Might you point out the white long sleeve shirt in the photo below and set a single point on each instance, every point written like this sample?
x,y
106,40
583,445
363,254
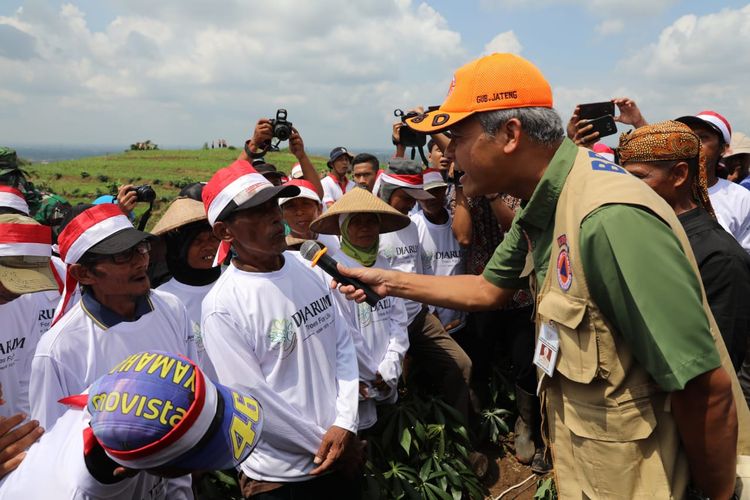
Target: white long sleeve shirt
x,y
192,298
21,326
731,202
445,256
403,252
381,341
281,336
54,467
79,348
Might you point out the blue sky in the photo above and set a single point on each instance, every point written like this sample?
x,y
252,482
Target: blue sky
x,y
182,72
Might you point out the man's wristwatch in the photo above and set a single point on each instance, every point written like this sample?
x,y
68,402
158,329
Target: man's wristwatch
x,y
254,155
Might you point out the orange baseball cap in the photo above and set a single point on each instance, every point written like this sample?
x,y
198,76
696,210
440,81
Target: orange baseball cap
x,y
497,81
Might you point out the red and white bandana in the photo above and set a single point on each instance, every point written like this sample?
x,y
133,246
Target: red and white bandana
x,y
25,240
433,178
306,190
13,198
238,183
413,181
86,230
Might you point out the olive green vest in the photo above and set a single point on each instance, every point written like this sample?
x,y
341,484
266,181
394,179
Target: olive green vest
x,y
610,426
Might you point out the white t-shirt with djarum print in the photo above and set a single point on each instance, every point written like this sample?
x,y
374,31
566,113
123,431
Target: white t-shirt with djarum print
x,y
403,252
282,337
22,323
446,258
381,340
78,349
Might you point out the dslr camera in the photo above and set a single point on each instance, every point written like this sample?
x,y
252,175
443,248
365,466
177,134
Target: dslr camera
x,y
407,137
282,128
144,193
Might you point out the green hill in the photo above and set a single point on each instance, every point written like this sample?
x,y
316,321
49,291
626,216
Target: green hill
x,y
167,171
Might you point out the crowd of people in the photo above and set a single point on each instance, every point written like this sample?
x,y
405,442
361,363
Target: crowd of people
x,y
614,280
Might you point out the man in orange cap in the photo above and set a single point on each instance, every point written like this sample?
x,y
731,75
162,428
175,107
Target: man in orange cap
x,y
632,370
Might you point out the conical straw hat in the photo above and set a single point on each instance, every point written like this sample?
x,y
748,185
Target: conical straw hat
x,y
360,201
181,212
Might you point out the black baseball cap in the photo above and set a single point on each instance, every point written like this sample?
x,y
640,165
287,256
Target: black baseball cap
x,y
122,240
338,152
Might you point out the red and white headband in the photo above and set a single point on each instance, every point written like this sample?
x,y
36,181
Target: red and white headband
x,y
89,228
433,176
25,240
413,181
719,122
306,190
13,198
236,183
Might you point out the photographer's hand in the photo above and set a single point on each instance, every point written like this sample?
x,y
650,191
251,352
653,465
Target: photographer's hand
x,y
296,145
396,139
630,114
261,138
297,148
127,198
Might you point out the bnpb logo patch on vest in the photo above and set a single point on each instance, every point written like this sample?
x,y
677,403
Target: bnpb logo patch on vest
x,y
564,269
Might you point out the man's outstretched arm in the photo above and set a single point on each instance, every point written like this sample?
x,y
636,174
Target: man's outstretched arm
x,y
463,292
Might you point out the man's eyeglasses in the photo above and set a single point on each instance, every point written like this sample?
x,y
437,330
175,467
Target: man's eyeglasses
x,y
126,256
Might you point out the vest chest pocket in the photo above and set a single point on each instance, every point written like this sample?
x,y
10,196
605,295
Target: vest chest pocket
x,y
578,359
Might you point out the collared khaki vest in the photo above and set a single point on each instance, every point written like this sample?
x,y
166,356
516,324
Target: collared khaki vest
x,y
610,426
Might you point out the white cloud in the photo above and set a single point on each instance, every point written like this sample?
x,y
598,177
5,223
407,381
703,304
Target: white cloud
x,y
698,62
603,8
610,27
504,42
213,70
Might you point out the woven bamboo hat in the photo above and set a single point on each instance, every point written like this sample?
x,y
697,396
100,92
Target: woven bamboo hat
x,y
360,201
181,212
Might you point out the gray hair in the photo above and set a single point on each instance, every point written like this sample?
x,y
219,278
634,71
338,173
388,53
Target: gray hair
x,y
543,125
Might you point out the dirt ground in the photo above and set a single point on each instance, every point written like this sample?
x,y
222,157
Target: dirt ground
x,y
505,471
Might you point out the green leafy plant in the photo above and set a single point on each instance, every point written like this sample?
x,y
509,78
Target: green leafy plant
x,y
545,489
494,426
419,449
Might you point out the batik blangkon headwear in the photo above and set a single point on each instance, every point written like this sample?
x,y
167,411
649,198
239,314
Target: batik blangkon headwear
x,y
667,141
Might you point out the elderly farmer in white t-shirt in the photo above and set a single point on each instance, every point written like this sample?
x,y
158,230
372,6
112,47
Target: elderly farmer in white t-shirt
x,y
118,314
271,326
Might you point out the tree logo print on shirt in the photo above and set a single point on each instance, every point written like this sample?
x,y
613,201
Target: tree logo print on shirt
x,y
364,312
282,334
388,252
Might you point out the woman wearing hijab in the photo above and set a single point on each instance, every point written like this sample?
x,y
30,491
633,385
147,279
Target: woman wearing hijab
x,y
190,251
380,339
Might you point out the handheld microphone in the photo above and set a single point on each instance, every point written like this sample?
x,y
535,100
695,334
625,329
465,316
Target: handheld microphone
x,y
310,250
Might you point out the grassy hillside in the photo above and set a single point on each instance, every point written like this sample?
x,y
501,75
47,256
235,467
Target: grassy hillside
x,y
166,171
83,180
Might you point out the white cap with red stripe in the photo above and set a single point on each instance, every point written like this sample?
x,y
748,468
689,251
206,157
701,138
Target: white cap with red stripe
x,y
13,198
713,120
86,230
25,249
306,190
433,178
237,187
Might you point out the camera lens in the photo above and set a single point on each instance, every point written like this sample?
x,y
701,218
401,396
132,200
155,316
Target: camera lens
x,y
282,132
145,193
